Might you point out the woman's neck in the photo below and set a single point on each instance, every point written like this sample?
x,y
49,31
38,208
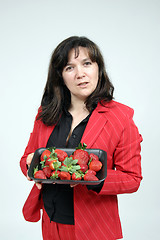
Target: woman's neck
x,y
79,112
78,107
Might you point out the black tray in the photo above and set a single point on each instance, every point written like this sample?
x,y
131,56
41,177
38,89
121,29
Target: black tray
x,y
102,174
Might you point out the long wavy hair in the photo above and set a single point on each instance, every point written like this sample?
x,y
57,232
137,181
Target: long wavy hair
x,y
56,95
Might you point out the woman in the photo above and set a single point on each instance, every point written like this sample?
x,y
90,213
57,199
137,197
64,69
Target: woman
x,y
78,106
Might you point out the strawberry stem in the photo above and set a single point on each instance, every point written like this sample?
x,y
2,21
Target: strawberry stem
x,y
80,146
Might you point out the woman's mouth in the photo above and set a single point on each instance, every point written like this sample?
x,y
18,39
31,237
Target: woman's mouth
x,y
83,84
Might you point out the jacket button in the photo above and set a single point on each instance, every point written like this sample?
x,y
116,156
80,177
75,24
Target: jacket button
x,y
74,136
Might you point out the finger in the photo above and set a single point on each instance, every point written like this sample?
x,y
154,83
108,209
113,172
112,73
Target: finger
x,y
39,185
28,177
73,185
28,165
29,159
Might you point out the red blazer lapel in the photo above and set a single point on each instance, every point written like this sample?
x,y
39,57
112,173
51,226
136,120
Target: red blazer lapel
x,y
94,126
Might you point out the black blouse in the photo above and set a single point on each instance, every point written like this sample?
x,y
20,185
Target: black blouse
x,y
58,198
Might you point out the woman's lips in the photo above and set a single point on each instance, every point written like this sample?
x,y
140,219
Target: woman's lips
x,y
83,84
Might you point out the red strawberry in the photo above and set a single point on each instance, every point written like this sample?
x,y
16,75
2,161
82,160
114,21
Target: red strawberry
x,y
65,175
45,154
48,162
76,176
47,171
83,167
55,174
90,177
54,164
39,174
61,154
93,156
91,172
81,155
95,165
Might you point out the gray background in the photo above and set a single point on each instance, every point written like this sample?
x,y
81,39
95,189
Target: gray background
x,y
128,34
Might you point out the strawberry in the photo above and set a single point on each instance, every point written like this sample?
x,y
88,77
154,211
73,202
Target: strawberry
x,y
47,171
47,162
76,176
46,153
39,174
55,174
81,155
95,165
91,172
54,164
93,156
90,177
83,167
61,154
65,175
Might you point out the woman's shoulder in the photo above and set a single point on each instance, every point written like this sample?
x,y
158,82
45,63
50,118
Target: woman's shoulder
x,y
114,105
120,107
116,110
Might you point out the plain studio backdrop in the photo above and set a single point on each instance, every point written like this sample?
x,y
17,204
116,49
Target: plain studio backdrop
x,y
128,34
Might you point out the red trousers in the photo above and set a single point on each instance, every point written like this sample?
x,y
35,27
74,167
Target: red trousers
x,y
56,231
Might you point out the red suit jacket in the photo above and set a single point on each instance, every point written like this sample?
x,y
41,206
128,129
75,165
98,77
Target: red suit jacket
x,y
112,129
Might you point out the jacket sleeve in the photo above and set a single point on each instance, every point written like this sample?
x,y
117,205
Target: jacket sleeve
x,y
126,175
31,146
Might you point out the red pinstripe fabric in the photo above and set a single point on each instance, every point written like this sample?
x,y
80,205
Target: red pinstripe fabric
x,y
95,219
110,128
56,231
31,205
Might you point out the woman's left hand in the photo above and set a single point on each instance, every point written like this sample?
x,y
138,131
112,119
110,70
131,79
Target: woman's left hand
x,y
73,185
39,185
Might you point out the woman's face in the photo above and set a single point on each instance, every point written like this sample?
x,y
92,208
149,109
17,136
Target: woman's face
x,y
80,75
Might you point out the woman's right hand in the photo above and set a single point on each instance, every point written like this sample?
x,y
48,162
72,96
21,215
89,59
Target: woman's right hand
x,y
28,162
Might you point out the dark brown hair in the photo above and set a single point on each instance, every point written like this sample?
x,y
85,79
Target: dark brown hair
x,y
56,94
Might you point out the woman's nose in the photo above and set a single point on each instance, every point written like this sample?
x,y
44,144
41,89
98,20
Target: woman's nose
x,y
80,72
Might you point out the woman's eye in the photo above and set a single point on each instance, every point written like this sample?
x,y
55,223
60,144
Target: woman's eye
x,y
87,63
69,68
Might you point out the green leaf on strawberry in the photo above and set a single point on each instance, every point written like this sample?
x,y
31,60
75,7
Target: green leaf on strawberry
x,y
45,157
80,146
53,154
55,175
70,161
51,148
90,160
71,165
73,169
35,170
42,164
